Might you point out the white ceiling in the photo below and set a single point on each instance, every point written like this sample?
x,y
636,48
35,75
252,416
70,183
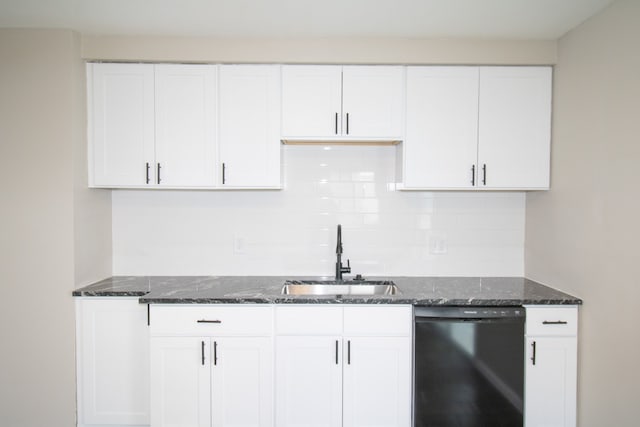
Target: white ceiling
x,y
513,19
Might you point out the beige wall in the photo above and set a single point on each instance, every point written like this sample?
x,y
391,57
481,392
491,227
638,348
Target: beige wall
x,y
40,128
319,50
583,236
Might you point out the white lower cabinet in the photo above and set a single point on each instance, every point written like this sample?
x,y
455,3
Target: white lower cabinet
x,y
242,382
551,367
308,381
284,365
180,382
327,376
223,377
112,344
377,382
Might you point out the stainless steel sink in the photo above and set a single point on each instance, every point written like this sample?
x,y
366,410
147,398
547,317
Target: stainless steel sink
x,y
333,287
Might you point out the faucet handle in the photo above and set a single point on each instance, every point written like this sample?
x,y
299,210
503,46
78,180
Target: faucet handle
x,y
346,269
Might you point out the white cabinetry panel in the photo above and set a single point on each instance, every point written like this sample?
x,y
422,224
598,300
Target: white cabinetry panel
x,y
477,128
249,127
441,142
377,382
551,366
121,123
311,100
308,381
185,125
322,102
329,378
515,126
213,367
180,382
242,382
373,101
112,361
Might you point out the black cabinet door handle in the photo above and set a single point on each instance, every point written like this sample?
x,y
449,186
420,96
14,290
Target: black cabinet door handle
x,y
336,123
224,172
349,352
484,174
336,352
147,171
347,123
473,175
533,356
202,352
159,167
215,353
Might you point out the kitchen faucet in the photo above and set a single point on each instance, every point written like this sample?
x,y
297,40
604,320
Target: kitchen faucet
x,y
339,268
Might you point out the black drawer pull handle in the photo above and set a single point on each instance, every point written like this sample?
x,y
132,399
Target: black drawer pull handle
x,y
533,357
209,321
555,322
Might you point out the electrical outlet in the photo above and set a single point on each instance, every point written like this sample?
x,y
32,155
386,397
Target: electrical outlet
x,y
438,245
238,245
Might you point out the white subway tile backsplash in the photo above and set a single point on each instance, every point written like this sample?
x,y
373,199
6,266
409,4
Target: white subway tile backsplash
x,y
292,232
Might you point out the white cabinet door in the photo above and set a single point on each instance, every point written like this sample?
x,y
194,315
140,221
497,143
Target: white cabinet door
x,y
113,351
515,127
372,101
311,100
550,385
185,125
180,382
309,381
249,127
242,382
441,141
377,381
121,123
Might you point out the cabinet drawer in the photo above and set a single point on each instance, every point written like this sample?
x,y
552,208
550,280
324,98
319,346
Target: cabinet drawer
x,y
211,320
308,319
378,320
553,321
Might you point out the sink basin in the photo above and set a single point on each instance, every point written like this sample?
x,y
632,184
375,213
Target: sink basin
x,y
333,287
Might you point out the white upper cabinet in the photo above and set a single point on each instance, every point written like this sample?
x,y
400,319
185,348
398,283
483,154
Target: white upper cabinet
x,y
336,102
477,128
185,125
440,149
249,126
515,127
373,101
121,123
311,100
152,126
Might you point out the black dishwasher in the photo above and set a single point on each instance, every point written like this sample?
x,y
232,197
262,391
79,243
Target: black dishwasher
x,y
469,366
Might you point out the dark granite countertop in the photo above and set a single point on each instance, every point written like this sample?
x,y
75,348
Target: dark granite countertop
x,y
420,291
